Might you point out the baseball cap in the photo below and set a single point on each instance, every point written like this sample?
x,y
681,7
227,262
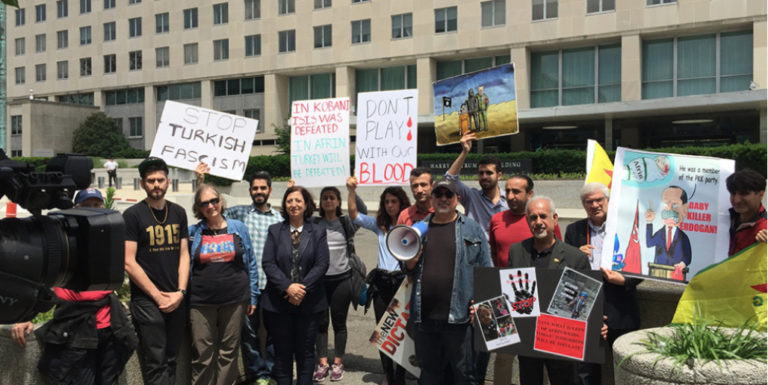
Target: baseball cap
x,y
152,161
88,193
446,184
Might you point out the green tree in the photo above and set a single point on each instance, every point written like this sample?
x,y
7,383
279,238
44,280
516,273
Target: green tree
x,y
98,136
283,140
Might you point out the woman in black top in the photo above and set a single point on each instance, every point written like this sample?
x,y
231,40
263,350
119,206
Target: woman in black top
x,y
295,260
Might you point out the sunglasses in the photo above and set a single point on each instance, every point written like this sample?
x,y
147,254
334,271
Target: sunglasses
x,y
213,201
443,193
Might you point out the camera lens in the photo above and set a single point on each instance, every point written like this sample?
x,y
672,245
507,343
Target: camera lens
x,y
36,248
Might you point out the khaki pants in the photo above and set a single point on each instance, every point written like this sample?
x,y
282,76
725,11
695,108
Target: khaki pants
x,y
502,369
215,339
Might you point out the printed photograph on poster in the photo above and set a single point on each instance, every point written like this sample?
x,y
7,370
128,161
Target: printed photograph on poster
x,y
496,323
518,287
668,214
391,336
574,296
483,102
560,336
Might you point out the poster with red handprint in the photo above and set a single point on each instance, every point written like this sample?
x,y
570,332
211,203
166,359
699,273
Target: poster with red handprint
x,y
518,287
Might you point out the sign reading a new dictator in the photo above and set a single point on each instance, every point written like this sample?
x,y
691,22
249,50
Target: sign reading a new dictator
x,y
189,134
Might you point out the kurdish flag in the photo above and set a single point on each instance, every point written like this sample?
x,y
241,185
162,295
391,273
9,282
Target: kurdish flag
x,y
731,291
599,165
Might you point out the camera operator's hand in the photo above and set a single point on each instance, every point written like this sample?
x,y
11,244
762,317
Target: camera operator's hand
x,y
170,301
20,331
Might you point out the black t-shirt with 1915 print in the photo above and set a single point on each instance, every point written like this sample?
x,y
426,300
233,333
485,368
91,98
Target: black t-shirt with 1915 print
x,y
158,235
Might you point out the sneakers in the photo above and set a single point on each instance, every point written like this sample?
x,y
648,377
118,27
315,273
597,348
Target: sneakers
x,y
337,372
321,373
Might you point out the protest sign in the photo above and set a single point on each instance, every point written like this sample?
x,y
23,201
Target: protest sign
x,y
668,214
483,102
390,335
320,142
560,336
574,296
518,286
385,151
496,323
189,134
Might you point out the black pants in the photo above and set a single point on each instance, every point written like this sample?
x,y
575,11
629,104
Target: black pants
x,y
560,372
294,337
386,287
439,343
591,373
112,175
160,335
338,290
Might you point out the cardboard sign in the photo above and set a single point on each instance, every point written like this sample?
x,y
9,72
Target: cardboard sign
x,y
496,323
518,286
560,336
320,142
188,135
385,152
390,335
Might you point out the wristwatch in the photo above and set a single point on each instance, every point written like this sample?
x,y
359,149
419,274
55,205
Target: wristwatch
x,y
183,292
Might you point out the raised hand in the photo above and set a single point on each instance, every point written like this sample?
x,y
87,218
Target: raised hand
x,y
524,291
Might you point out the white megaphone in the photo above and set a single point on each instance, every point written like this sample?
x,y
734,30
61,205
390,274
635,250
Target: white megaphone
x,y
404,242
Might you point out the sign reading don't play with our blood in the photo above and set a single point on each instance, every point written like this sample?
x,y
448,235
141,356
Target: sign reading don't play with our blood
x,y
385,150
189,134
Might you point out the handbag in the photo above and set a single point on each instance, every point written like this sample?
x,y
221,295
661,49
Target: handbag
x,y
357,267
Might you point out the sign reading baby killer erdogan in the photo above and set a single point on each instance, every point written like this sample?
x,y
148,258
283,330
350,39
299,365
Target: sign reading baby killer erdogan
x,y
668,214
385,152
189,134
320,142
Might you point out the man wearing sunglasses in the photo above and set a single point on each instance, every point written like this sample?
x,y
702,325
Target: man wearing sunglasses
x,y
440,298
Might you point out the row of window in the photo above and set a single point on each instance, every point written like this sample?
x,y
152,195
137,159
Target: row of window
x,y
62,10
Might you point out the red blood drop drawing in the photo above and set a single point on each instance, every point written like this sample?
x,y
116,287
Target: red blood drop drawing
x,y
409,137
410,124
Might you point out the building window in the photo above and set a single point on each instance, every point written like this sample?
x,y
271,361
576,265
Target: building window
x,y
40,43
220,13
286,6
317,86
190,53
657,2
109,4
110,64
450,68
21,17
221,49
134,60
361,31
359,1
252,9
190,18
320,4
385,79
84,98
253,45
16,124
446,19
162,22
544,9
110,31
62,70
252,113
85,67
118,124
402,26
40,72
20,75
20,46
287,40
85,35
136,127
323,36
178,92
62,39
85,6
239,86
162,57
125,96
62,8
134,27
594,6
576,76
493,13
134,1
40,13
696,65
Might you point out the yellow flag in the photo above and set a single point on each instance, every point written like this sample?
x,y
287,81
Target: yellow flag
x,y
731,291
599,165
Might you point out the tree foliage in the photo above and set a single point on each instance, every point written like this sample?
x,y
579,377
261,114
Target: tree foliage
x,y
283,140
99,136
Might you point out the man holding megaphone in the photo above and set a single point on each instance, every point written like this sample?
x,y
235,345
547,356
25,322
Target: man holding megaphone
x,y
443,276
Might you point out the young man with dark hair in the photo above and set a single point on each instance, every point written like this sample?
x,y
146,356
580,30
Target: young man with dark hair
x,y
421,187
748,219
157,262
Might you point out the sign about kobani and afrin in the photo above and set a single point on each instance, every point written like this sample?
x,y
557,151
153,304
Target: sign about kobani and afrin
x,y
385,152
320,142
189,134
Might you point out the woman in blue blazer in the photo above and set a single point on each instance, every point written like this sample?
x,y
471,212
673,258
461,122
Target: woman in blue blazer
x,y
295,260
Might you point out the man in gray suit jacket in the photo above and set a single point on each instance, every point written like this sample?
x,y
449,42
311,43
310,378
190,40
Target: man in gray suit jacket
x,y
544,250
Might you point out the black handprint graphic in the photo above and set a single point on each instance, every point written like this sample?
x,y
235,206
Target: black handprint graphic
x,y
524,291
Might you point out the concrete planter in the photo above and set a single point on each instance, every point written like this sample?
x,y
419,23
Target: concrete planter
x,y
642,366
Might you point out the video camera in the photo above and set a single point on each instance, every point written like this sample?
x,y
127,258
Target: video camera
x,y
75,248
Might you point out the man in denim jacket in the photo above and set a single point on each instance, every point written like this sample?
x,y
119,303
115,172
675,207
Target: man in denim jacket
x,y
443,276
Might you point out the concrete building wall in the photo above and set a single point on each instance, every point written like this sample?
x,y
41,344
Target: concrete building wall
x,y
47,127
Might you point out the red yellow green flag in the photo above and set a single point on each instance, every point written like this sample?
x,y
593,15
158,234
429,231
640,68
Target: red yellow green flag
x,y
599,165
731,291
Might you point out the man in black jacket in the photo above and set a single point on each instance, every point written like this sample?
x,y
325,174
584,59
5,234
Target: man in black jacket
x,y
620,305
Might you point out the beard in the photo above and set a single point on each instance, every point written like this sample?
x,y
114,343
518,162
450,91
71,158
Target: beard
x,y
259,199
540,234
157,193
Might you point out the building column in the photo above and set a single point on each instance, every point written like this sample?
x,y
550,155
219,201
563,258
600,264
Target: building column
x,y
150,116
206,94
763,126
98,99
759,62
276,106
426,73
519,57
631,68
608,133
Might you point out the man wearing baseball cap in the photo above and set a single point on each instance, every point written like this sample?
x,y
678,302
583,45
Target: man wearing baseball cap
x,y
157,262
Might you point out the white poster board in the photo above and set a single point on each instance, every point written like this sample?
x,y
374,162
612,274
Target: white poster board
x,y
385,151
189,134
320,142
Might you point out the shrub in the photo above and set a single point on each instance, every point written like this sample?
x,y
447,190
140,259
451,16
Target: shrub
x,y
98,135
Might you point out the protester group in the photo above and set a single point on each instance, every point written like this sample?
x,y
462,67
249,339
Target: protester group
x,y
293,270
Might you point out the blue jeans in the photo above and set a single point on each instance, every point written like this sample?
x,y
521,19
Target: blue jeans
x,y
256,365
438,343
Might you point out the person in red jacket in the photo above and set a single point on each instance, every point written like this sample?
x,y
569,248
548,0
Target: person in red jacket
x,y
748,219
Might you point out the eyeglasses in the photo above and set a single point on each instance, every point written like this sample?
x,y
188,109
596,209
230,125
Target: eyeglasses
x,y
443,193
213,201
